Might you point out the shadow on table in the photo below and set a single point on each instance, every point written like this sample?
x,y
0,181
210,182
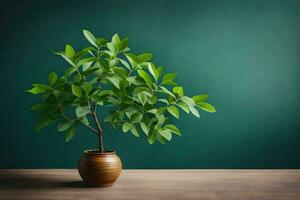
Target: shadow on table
x,y
19,180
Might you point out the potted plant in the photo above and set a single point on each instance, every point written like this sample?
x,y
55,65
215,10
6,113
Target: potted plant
x,y
139,97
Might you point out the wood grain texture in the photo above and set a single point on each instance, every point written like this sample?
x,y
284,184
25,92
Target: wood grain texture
x,y
64,184
99,169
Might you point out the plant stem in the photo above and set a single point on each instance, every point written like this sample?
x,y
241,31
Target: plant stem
x,y
88,126
100,131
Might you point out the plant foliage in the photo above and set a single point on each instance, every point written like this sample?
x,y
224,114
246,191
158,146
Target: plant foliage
x,y
140,96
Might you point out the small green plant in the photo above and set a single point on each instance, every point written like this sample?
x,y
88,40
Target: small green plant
x,y
105,74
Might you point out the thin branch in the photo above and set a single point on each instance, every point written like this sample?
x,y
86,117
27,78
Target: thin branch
x,y
97,122
95,107
67,118
100,131
94,114
90,127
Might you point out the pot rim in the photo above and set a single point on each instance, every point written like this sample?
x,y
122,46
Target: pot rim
x,y
96,152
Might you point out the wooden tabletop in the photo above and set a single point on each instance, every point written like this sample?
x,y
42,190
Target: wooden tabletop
x,y
65,184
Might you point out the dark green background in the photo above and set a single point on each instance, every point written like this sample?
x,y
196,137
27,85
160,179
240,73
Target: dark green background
x,y
245,54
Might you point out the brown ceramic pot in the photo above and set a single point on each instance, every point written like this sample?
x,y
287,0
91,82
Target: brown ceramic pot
x,y
99,169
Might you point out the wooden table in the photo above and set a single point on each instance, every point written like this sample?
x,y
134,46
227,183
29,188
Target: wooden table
x,y
154,184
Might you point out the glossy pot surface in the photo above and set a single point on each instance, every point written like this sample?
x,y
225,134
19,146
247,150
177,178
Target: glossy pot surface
x,y
99,169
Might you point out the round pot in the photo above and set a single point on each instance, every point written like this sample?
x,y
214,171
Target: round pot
x,y
99,169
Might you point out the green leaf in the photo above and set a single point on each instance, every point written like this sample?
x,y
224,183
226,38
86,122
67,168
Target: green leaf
x,y
138,90
178,90
64,56
126,127
70,71
125,63
169,77
189,101
90,37
69,51
87,87
64,125
173,111
101,41
168,83
120,71
144,127
87,60
134,81
194,111
86,66
42,86
160,69
151,137
161,139
115,81
44,120
52,77
153,111
82,111
134,131
108,52
76,90
76,78
36,90
70,134
57,93
206,107
90,70
184,107
153,70
115,39
85,120
166,91
112,62
82,53
144,57
142,97
41,125
160,111
105,92
165,133
132,59
200,98
112,48
152,100
129,112
123,45
100,103
173,129
146,77
164,101
136,118
131,109
112,100
40,107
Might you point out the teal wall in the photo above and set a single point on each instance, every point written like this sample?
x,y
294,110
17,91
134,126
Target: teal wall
x,y
245,54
